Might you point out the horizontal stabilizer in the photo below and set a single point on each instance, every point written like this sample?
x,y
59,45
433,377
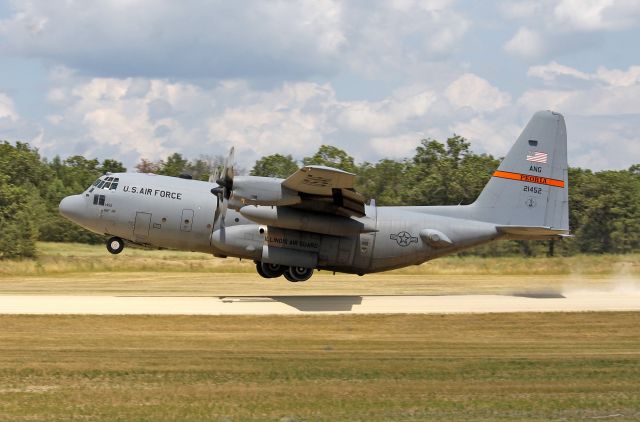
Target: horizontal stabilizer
x,y
531,232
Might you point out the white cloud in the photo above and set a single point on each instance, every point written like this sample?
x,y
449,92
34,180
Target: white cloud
x,y
589,102
552,70
488,135
7,109
382,117
132,118
278,40
593,15
520,9
472,91
549,27
526,43
611,91
398,146
617,77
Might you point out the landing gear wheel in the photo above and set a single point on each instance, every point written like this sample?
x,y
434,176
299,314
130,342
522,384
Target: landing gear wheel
x,y
273,270
260,270
296,274
269,270
115,245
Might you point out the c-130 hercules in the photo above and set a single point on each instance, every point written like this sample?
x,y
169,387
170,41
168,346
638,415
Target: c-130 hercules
x,y
315,219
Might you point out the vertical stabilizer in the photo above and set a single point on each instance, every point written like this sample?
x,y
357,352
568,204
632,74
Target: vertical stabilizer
x,y
530,187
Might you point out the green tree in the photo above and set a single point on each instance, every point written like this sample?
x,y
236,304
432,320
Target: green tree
x,y
331,156
275,165
112,166
147,166
20,209
69,177
174,165
382,181
446,174
605,211
22,174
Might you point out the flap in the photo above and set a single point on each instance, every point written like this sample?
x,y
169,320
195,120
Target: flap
x,y
328,190
319,180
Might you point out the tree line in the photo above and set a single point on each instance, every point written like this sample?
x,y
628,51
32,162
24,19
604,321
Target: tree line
x,y
604,206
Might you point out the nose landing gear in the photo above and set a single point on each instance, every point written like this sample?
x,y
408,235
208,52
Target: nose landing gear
x,y
115,245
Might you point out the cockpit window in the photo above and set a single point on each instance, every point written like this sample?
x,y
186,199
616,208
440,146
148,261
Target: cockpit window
x,y
110,183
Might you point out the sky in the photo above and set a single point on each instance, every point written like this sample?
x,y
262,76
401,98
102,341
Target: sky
x,y
132,79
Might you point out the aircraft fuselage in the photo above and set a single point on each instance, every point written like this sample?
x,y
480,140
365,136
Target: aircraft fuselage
x,y
169,212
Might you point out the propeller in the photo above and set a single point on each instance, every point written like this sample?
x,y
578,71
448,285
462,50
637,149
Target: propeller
x,y
224,179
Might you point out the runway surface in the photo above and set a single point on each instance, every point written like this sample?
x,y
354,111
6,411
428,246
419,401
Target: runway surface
x,y
575,301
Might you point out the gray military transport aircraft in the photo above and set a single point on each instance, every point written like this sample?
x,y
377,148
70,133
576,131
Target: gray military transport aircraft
x,y
314,219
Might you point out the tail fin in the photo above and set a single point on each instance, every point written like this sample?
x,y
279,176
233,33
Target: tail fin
x,y
530,187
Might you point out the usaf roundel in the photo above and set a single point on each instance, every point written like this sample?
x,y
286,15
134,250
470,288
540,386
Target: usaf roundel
x,y
403,238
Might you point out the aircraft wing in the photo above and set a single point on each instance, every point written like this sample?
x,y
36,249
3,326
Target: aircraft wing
x,y
325,189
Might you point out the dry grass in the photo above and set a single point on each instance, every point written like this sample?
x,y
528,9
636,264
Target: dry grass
x,y
67,258
233,284
85,269
369,368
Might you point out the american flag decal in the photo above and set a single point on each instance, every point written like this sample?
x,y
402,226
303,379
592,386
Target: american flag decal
x,y
537,157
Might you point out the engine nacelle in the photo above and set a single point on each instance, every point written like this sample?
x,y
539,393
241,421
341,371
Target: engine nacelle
x,y
243,241
253,190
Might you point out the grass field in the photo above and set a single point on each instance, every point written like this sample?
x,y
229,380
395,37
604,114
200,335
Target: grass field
x,y
85,269
581,366
73,258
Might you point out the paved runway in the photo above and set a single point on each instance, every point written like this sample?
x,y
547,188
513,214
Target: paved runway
x,y
575,301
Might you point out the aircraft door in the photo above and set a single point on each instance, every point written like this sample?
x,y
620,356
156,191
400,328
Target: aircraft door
x,y
187,220
141,226
366,241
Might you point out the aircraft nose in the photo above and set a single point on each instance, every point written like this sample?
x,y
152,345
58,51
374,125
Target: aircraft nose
x,y
71,207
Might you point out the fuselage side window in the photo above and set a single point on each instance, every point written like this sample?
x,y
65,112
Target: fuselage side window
x,y
101,200
95,199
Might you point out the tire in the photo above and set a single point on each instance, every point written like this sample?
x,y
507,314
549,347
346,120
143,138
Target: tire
x,y
115,245
273,270
260,270
296,274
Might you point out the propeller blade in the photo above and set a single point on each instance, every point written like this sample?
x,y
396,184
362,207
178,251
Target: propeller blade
x,y
215,174
216,214
224,179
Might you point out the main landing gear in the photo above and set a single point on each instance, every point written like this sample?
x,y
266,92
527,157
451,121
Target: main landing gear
x,y
293,274
115,245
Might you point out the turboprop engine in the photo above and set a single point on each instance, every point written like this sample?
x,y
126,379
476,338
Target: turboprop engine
x,y
250,190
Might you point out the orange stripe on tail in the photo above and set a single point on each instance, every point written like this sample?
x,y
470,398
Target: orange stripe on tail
x,y
529,178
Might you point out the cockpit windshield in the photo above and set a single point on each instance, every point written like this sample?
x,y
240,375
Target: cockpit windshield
x,y
105,182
